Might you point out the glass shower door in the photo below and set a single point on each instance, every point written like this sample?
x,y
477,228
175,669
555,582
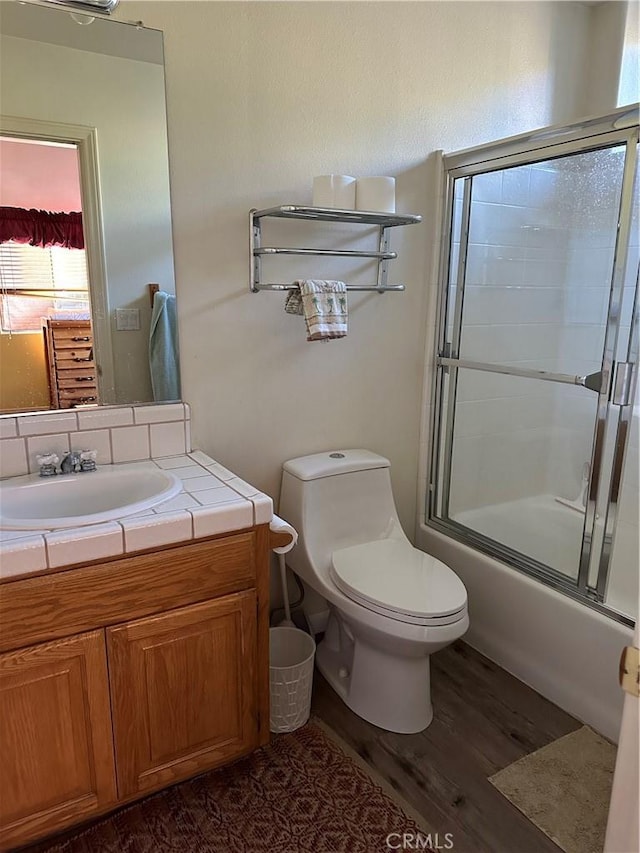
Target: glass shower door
x,y
530,333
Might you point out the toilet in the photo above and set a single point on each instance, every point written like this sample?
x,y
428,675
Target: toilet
x,y
390,606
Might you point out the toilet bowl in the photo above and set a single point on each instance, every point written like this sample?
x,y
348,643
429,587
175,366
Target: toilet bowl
x,y
390,605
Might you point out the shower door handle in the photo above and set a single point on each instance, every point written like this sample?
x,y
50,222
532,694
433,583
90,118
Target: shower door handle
x,y
621,391
597,382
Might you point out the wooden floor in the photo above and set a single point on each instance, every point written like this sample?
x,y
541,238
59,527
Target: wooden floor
x,y
484,719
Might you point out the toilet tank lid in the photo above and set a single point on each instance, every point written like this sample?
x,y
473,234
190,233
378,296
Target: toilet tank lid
x,y
333,462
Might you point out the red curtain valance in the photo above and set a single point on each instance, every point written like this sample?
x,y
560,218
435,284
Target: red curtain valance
x,y
41,227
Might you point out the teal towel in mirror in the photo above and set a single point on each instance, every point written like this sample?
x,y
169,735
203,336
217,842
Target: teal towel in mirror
x,y
164,361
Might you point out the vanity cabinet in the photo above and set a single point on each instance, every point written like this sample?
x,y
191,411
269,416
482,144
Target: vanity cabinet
x,y
121,677
183,691
57,763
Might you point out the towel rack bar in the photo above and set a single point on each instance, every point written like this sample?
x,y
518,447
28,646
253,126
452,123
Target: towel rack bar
x,y
332,214
381,254
338,253
361,287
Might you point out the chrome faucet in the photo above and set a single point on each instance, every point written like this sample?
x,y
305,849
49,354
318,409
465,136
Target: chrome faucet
x,y
88,460
73,462
48,464
70,463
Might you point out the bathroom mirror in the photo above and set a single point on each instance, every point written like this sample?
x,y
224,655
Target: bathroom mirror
x,y
85,95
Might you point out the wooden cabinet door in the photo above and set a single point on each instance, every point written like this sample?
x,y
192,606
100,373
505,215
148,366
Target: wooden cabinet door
x,y
183,689
56,747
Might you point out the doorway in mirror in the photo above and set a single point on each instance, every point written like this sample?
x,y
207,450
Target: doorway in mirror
x,y
46,336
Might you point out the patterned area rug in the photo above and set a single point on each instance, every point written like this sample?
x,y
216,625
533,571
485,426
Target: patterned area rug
x,y
564,788
300,794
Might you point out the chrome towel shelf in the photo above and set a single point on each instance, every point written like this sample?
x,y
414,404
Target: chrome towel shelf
x,y
382,255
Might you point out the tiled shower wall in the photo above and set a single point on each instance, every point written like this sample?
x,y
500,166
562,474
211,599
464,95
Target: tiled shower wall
x,y
540,250
118,433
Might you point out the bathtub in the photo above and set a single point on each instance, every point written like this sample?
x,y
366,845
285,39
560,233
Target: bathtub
x,y
563,649
511,524
556,539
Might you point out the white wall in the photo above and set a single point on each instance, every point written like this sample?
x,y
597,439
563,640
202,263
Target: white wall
x,y
262,97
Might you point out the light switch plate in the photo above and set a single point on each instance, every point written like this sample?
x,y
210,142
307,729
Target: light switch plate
x,y
128,319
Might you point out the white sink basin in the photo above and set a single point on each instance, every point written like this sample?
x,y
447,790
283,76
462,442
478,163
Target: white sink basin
x,y
73,500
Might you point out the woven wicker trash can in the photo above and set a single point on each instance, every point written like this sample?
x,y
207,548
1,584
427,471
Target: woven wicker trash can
x,y
291,657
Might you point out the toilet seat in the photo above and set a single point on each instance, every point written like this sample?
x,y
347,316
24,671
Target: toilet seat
x,y
391,577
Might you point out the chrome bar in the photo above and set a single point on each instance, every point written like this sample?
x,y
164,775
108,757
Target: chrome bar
x,y
622,438
359,287
593,382
456,334
254,255
338,253
334,214
531,146
601,481
446,185
383,249
622,383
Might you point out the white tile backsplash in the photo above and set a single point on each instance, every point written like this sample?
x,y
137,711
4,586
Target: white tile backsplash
x,y
105,418
162,413
109,430
8,427
47,424
167,439
41,444
13,457
93,439
129,444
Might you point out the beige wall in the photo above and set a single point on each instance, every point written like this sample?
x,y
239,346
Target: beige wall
x,y
262,97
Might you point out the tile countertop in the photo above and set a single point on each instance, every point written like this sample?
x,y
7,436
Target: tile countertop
x,y
212,501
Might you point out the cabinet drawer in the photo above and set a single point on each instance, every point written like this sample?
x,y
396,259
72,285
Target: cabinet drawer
x,y
68,339
70,359
85,394
122,589
76,377
69,332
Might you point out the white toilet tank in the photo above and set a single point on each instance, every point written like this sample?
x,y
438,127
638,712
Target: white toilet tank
x,y
335,499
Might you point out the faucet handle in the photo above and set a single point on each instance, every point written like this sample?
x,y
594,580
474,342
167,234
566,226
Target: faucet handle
x,y
88,460
48,463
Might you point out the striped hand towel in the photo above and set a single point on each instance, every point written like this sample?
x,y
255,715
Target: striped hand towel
x,y
325,308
